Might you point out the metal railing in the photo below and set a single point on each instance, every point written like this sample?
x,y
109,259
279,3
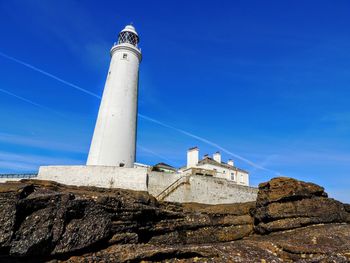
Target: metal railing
x,y
171,188
24,176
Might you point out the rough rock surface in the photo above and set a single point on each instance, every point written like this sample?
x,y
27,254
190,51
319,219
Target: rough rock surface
x,y
43,221
285,203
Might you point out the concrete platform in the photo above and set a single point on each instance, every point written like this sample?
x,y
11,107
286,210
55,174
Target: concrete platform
x,y
99,176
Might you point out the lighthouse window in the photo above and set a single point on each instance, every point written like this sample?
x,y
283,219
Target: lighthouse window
x,y
125,56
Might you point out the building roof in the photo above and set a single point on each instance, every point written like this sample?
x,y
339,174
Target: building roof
x,y
208,160
193,148
165,166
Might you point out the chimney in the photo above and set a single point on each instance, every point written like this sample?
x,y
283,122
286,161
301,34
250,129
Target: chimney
x,y
192,157
217,157
230,162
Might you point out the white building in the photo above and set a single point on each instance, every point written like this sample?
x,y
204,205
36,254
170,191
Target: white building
x,y
111,160
214,167
114,139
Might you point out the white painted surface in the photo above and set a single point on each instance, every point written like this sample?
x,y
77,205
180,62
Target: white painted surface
x,y
229,174
192,157
211,190
99,176
217,157
114,139
16,177
4,180
158,181
201,189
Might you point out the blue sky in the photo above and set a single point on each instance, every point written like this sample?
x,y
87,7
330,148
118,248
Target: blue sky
x,y
265,81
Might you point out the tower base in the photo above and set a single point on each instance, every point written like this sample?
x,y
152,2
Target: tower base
x,y
98,176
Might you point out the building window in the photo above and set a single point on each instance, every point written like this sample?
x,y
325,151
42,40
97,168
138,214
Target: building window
x,y
125,56
232,176
242,181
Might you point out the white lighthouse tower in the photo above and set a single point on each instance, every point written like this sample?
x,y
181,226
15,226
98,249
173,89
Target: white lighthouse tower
x,y
114,139
112,152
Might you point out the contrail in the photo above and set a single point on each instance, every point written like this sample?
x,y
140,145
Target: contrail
x,y
208,142
29,101
49,75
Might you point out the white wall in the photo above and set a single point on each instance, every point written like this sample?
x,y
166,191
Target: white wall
x,y
4,180
158,181
192,157
201,189
99,176
114,137
226,173
242,178
16,177
239,177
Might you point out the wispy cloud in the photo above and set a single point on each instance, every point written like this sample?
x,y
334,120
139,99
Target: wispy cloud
x,y
28,162
14,166
40,143
316,157
33,158
53,20
189,134
49,75
208,142
29,101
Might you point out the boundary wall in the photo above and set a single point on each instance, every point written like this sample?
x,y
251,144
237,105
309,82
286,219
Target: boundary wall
x,y
99,176
201,189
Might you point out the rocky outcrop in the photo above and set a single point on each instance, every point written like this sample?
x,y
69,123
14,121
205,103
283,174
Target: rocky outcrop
x,y
44,221
285,203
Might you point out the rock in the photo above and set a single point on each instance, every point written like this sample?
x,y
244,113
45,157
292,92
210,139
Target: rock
x,y
10,194
282,189
285,203
46,221
321,243
52,223
204,235
86,224
347,207
7,220
318,243
236,209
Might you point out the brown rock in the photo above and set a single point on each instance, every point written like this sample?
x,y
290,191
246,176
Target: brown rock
x,y
282,189
204,235
237,209
327,210
285,203
322,243
45,221
10,194
347,207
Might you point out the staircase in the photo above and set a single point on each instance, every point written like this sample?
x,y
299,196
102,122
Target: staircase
x,y
171,188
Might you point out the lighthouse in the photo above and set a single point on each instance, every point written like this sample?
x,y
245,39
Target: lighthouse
x,y
114,138
111,159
